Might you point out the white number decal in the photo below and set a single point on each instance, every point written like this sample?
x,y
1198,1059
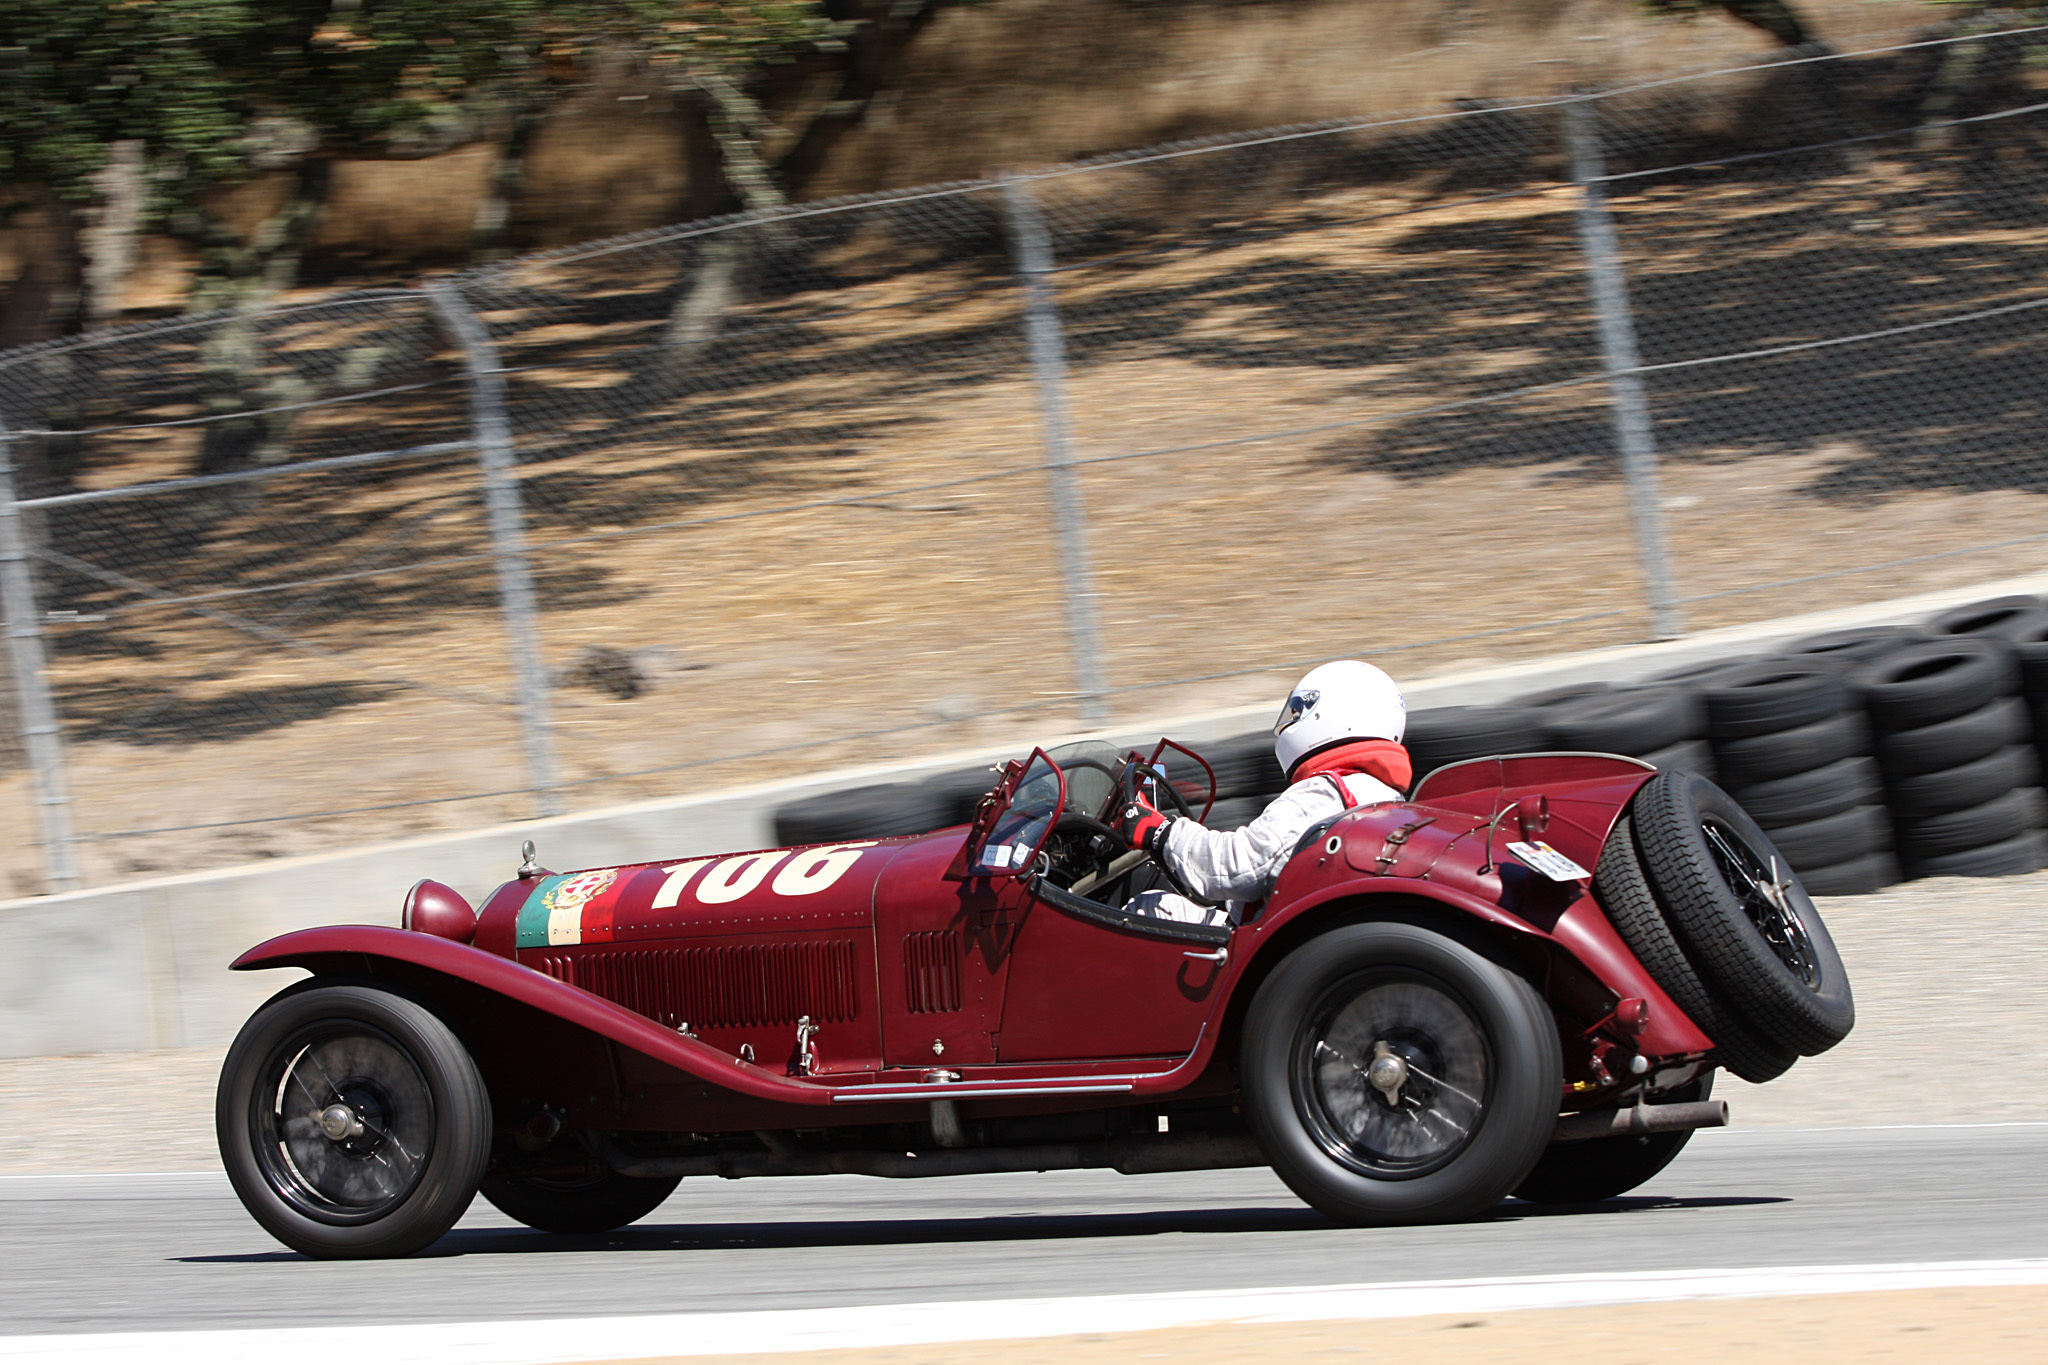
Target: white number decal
x,y
735,877
809,873
672,889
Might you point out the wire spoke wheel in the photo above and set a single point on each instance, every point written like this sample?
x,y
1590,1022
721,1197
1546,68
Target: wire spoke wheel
x,y
1391,1074
1764,894
352,1121
345,1123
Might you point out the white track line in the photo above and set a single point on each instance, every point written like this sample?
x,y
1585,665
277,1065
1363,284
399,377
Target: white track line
x,y
553,1341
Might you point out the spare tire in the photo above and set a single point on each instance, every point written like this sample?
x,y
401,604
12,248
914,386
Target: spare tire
x,y
881,812
1636,721
1771,695
1937,681
1756,938
1624,893
1453,734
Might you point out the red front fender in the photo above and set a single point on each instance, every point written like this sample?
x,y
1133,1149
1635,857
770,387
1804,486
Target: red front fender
x,y
345,946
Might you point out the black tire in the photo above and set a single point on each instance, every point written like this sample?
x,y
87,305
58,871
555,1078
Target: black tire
x,y
1701,674
1756,938
1767,758
1245,766
959,794
1952,743
1483,1047
596,1203
1771,695
1856,646
1853,833
1636,721
1937,681
1624,893
1992,616
1857,877
418,1122
1601,1168
1812,795
881,812
1958,831
1963,786
2030,643
1694,755
2025,853
1441,735
1558,696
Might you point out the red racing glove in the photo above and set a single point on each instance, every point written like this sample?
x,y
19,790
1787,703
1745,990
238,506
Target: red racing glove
x,y
1145,826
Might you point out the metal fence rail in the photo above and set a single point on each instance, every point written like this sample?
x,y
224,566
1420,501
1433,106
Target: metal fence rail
x,y
1113,438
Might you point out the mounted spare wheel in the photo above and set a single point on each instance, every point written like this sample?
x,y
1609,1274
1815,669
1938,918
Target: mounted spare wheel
x,y
1740,912
1624,893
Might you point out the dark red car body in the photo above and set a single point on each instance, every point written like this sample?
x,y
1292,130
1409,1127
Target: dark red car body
x,y
837,986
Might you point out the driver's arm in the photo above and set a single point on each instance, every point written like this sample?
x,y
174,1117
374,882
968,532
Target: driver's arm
x,y
1241,864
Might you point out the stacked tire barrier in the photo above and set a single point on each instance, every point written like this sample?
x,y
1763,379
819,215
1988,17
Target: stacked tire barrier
x,y
1956,746
1864,754
1792,749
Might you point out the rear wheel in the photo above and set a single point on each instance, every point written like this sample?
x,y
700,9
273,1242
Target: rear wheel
x,y
1392,1075
1601,1168
592,1203
352,1122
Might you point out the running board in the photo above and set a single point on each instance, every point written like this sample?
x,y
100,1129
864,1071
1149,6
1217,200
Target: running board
x,y
1641,1120
1135,1154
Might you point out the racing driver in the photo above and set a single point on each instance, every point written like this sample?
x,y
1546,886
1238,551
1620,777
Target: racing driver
x,y
1338,739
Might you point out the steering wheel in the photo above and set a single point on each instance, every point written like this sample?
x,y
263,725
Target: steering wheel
x,y
1127,781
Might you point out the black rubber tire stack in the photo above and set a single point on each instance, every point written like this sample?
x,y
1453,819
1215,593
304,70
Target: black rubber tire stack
x,y
1857,646
1664,725
1791,748
880,812
1955,745
1443,735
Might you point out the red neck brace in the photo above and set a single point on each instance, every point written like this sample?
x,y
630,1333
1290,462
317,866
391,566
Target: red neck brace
x,y
1381,758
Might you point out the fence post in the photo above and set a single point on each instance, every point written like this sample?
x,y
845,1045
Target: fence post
x,y
493,435
40,735
1031,247
1609,287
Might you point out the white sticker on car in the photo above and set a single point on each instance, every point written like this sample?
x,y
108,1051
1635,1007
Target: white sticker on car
x,y
1549,862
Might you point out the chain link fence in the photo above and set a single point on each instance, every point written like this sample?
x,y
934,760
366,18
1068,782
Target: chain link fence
x,y
906,473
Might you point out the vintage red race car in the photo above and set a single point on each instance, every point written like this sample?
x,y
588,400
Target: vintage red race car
x,y
1437,1006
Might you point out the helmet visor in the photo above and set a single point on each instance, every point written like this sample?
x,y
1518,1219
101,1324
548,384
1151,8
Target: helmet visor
x,y
1298,705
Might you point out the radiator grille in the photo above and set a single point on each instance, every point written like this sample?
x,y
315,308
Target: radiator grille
x,y
931,972
742,985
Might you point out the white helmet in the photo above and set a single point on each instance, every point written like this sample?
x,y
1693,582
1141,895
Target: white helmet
x,y
1336,702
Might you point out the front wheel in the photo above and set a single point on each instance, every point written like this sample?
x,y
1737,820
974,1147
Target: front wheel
x,y
1392,1075
352,1122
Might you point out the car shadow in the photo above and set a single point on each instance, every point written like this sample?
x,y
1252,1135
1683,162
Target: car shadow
x,y
884,1232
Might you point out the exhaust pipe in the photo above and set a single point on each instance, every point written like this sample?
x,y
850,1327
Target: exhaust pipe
x,y
1641,1120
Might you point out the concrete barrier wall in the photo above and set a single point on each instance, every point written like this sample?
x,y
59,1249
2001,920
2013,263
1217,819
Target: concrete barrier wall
x,y
143,965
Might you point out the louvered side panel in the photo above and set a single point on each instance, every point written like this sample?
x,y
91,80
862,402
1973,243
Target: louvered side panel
x,y
931,972
741,985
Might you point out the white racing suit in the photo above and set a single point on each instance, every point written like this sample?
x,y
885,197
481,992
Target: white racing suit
x,y
1239,866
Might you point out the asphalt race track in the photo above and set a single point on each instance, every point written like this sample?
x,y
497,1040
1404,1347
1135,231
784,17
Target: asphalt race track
x,y
128,1253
